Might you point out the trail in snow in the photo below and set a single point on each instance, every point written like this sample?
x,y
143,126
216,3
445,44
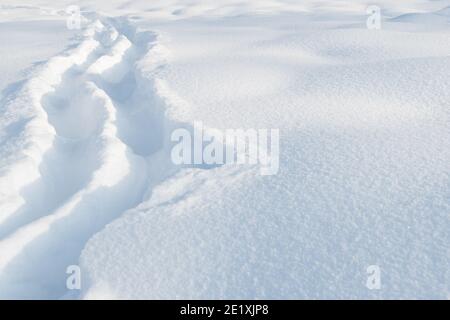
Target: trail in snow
x,y
87,167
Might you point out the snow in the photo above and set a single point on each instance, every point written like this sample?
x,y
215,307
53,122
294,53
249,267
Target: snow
x,y
87,179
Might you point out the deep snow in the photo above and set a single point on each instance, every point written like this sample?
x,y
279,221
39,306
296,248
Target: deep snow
x,y
86,176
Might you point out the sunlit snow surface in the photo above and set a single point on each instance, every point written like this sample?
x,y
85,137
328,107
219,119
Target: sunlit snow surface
x,y
86,176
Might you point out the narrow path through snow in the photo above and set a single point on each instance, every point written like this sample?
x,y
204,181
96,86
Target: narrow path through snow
x,y
93,165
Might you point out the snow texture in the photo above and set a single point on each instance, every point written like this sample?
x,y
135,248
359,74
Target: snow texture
x,y
86,176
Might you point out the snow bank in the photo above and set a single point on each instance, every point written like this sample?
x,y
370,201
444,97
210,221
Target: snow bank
x,y
363,177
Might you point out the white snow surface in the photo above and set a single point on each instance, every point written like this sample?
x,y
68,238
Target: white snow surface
x,y
86,176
